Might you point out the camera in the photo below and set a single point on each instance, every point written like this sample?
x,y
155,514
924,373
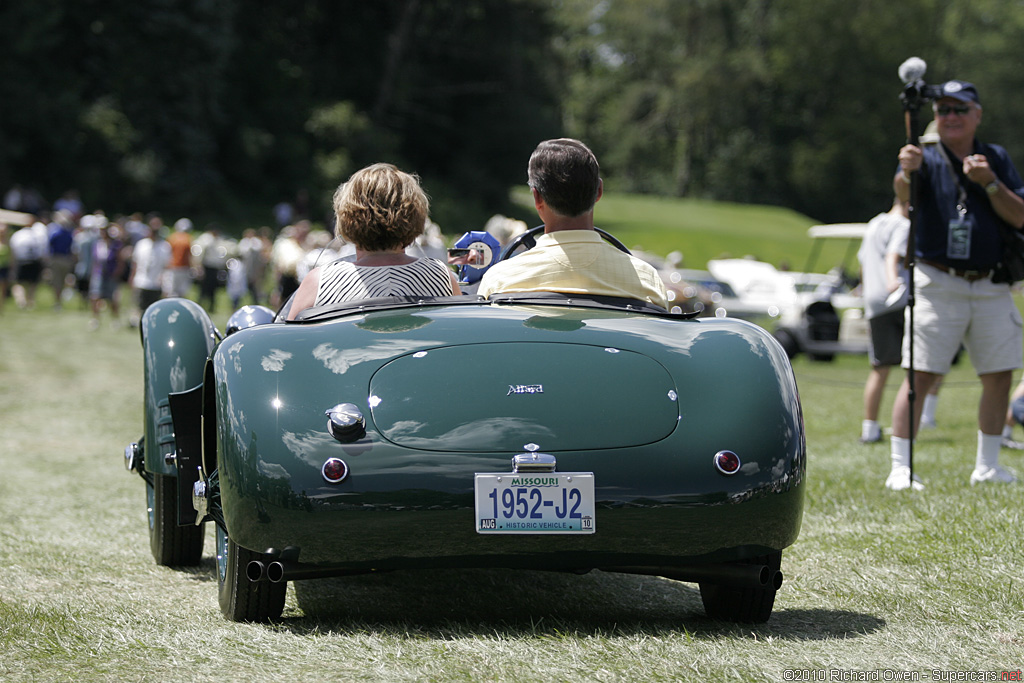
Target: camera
x,y
916,93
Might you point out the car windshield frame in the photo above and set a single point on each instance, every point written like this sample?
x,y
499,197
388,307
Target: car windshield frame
x,y
339,310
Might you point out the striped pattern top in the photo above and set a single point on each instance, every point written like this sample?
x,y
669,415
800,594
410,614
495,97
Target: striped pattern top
x,y
344,281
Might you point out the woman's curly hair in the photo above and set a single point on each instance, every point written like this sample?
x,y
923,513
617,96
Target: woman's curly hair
x,y
381,208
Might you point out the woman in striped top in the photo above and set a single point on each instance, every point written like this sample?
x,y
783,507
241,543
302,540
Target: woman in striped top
x,y
381,210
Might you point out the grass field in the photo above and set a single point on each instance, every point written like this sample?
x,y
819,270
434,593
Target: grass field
x,y
926,583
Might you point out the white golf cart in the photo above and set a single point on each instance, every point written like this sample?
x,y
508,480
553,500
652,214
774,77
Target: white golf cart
x,y
820,314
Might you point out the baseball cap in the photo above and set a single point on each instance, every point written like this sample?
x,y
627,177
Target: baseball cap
x,y
961,90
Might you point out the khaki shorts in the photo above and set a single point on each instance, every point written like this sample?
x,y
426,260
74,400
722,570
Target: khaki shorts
x,y
949,310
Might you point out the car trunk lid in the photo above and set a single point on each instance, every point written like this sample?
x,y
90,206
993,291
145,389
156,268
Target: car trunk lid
x,y
502,396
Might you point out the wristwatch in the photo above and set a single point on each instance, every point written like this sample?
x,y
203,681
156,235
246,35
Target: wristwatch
x,y
992,187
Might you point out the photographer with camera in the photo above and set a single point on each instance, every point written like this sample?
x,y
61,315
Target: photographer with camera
x,y
965,189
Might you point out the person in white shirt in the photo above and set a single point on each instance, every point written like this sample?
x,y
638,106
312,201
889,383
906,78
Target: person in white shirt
x,y
28,248
883,284
150,259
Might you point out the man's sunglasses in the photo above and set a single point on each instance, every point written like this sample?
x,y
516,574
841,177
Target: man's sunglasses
x,y
960,110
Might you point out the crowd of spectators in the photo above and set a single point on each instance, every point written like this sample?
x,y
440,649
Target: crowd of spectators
x,y
119,265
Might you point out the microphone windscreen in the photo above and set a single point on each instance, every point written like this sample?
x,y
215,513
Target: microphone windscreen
x,y
912,70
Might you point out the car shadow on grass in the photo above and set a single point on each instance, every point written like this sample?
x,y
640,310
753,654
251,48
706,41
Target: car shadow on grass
x,y
510,603
204,572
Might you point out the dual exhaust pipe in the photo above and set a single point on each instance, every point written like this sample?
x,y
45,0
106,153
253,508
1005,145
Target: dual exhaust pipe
x,y
265,571
739,575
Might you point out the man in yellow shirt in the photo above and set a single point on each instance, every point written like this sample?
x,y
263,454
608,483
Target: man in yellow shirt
x,y
571,257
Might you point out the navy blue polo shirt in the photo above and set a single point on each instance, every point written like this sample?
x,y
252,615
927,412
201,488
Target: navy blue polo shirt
x,y
938,195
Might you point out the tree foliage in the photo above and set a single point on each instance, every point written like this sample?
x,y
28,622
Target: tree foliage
x,y
225,107
792,102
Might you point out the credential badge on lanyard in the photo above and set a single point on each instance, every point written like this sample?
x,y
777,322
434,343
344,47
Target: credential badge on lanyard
x,y
958,242
958,239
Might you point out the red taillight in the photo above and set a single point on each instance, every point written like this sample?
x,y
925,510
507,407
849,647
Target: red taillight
x,y
335,470
727,462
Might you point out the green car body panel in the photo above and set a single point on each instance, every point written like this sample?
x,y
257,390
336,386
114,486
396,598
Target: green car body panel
x,y
642,401
177,340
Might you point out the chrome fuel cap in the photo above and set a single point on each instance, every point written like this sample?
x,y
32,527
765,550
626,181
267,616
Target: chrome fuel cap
x,y
346,423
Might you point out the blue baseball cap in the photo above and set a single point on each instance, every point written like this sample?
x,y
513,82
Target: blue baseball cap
x,y
961,90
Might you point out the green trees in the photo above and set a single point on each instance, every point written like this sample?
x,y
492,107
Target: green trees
x,y
789,102
223,108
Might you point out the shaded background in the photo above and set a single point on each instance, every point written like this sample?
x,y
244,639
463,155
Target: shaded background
x,y
219,109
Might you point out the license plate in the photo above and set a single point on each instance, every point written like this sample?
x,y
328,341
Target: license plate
x,y
551,503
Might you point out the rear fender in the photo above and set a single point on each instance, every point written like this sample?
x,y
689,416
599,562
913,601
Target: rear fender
x,y
177,339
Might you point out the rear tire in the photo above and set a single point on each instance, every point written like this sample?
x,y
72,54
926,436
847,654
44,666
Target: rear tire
x,y
242,599
740,604
172,545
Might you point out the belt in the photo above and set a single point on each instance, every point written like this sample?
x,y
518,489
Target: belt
x,y
969,275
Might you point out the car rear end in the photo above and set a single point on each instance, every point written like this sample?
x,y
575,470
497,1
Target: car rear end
x,y
507,436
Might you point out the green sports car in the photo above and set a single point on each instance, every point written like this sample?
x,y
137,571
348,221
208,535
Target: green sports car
x,y
533,431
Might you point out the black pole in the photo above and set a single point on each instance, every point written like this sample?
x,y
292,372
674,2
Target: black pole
x,y
911,104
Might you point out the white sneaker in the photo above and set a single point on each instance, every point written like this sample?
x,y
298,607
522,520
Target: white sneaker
x,y
1010,443
928,424
996,473
899,479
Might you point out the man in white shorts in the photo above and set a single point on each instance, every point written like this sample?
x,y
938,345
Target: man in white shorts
x,y
967,189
